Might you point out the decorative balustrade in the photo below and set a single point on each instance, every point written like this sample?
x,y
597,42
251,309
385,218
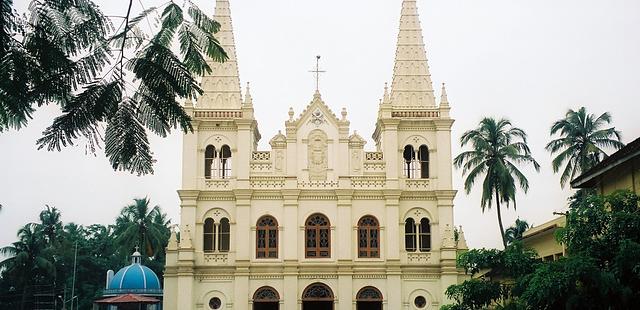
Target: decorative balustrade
x,y
418,258
416,114
418,184
367,182
267,182
218,114
218,258
261,155
374,156
216,184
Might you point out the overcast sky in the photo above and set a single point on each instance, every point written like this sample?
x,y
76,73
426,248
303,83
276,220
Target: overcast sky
x,y
528,61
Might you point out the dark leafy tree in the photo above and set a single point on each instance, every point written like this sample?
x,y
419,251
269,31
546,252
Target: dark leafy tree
x,y
514,233
582,142
29,261
497,148
601,271
125,79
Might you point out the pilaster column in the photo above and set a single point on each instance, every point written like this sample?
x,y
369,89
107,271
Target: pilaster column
x,y
243,225
392,204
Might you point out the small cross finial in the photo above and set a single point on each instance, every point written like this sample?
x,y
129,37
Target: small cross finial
x,y
317,72
137,248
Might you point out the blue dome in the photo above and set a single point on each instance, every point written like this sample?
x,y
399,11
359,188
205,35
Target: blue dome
x,y
135,277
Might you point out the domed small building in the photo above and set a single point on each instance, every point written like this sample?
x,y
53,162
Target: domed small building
x,y
134,287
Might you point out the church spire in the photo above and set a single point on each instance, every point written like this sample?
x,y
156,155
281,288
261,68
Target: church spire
x,y
411,85
222,86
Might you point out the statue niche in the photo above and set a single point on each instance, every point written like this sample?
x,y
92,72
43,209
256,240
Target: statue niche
x,y
317,156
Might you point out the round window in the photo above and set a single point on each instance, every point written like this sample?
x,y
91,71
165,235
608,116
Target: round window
x,y
420,302
215,303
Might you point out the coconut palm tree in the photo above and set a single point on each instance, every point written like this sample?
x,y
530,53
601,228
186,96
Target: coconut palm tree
x,y
581,142
141,225
515,232
50,224
496,149
28,258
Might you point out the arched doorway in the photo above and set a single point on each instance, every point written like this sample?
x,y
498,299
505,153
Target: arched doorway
x,y
317,296
266,298
369,298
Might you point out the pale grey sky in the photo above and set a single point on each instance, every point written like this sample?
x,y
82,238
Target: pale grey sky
x,y
528,61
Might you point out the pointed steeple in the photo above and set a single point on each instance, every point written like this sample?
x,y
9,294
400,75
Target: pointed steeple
x,y
411,85
248,100
444,101
222,86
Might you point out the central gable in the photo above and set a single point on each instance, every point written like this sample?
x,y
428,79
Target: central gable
x,y
317,116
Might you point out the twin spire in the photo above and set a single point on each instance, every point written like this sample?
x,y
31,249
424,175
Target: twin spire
x,y
222,86
411,85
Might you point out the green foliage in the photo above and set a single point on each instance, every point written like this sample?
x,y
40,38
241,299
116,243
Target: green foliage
x,y
473,294
42,260
602,238
602,270
497,149
514,261
68,53
581,142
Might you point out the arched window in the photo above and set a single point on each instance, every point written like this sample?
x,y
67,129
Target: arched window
x,y
425,235
416,164
409,166
267,238
317,292
209,235
423,158
209,159
318,236
225,162
369,298
410,235
368,237
224,233
266,294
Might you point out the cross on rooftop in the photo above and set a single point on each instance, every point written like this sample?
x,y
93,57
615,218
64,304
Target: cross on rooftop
x,y
317,72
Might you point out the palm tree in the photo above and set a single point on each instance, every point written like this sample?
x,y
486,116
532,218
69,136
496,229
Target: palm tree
x,y
581,142
515,232
141,225
497,147
28,258
50,223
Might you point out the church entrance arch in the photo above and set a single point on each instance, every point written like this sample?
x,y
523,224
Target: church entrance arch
x,y
369,298
317,296
266,298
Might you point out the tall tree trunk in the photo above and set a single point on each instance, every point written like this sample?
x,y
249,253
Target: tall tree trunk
x,y
504,241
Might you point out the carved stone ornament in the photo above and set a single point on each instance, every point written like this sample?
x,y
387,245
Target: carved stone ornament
x,y
317,118
317,153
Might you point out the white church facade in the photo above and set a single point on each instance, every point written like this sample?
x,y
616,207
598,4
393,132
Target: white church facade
x,y
317,222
